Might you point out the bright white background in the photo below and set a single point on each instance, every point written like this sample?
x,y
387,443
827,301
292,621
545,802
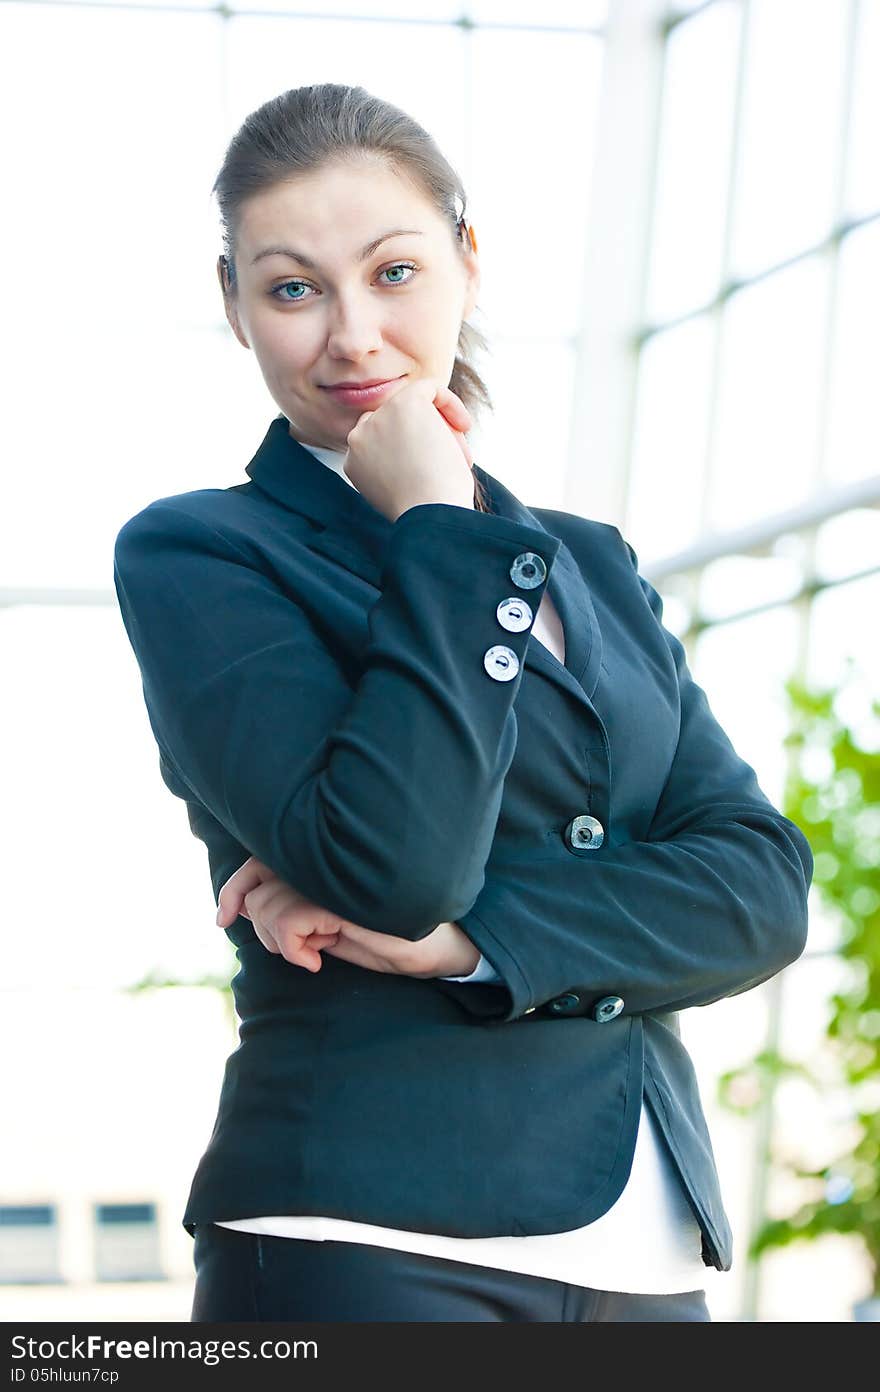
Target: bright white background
x,y
632,381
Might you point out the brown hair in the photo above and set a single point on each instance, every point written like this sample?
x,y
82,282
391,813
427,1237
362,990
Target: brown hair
x,y
306,128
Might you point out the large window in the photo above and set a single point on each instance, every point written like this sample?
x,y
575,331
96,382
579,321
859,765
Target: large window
x,y
678,214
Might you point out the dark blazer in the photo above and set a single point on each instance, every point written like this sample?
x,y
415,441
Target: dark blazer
x,y
352,701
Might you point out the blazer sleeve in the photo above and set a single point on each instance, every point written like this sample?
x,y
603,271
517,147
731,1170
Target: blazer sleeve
x,y
712,903
377,800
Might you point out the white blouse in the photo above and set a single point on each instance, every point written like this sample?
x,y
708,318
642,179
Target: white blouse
x,y
649,1241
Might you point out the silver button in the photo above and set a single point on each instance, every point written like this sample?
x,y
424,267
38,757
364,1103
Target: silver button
x,y
528,570
608,1008
585,833
514,614
564,1004
501,662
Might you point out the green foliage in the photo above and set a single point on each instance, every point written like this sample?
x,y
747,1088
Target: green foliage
x,y
157,981
833,794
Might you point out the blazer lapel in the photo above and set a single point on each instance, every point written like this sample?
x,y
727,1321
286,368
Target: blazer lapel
x,y
348,527
350,530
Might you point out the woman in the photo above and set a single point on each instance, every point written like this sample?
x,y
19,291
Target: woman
x,y
471,878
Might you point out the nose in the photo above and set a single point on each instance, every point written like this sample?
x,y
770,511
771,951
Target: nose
x,y
354,327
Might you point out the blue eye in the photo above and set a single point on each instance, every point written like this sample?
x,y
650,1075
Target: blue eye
x,y
303,285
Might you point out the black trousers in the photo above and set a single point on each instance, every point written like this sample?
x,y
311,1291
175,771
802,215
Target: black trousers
x,y
248,1277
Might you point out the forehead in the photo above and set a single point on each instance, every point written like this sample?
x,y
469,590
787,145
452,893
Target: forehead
x,y
336,209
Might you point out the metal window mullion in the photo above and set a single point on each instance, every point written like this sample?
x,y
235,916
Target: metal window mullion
x,y
717,309
615,251
833,248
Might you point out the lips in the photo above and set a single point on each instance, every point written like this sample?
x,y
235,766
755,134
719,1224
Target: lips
x,y
359,386
361,395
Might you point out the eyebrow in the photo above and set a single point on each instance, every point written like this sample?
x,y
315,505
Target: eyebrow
x,y
362,256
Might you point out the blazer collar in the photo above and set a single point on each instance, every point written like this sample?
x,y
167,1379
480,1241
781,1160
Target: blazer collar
x,y
352,531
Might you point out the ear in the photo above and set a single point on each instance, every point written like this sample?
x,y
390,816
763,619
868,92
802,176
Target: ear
x,y
472,267
229,306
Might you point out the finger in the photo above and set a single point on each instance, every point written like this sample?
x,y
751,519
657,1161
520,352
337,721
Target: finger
x,y
276,898
322,940
353,932
453,408
358,956
293,948
304,919
254,904
248,874
364,416
309,954
376,951
231,896
450,406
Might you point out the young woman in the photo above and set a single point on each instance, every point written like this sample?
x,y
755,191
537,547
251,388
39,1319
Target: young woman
x,y
471,824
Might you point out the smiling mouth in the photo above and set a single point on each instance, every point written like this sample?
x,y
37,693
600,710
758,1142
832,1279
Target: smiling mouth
x,y
352,396
359,386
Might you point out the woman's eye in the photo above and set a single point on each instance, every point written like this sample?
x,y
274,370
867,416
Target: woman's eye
x,y
280,291
288,285
400,266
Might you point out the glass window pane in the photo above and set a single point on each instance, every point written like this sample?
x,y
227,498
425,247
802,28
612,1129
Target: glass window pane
x,y
29,1245
123,886
848,543
767,426
863,183
810,982
790,136
119,225
126,1242
574,12
525,442
138,417
154,4
734,583
531,175
853,450
743,666
665,494
695,147
844,651
150,1066
686,7
266,56
368,9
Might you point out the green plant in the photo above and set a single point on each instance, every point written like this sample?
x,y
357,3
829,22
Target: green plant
x,y
833,794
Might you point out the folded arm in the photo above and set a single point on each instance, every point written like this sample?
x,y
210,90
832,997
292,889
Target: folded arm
x,y
379,803
711,903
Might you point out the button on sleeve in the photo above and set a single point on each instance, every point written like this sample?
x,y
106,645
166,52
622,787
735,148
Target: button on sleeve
x,y
378,798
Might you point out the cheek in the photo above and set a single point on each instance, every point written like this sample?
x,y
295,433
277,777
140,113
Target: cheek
x,y
428,325
279,341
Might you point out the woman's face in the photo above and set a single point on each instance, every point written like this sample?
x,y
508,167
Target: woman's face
x,y
327,312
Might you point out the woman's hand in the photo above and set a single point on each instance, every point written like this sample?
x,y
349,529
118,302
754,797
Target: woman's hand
x,y
287,923
447,951
412,449
283,919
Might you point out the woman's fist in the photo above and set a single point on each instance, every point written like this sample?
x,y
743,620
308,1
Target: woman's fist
x,y
412,449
